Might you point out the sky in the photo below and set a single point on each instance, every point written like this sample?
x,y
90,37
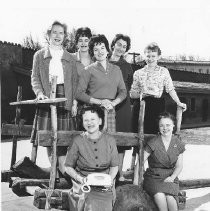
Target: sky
x,y
178,26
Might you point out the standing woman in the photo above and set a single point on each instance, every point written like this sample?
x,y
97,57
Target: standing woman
x,y
120,45
82,55
54,60
102,82
83,58
149,84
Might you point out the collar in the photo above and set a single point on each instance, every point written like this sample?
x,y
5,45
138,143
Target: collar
x,y
66,56
157,68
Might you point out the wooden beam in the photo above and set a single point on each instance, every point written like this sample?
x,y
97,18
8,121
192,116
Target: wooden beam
x,y
198,183
16,130
23,182
65,138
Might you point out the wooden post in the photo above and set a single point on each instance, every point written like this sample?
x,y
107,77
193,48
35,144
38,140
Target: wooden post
x,y
138,171
49,191
17,119
179,112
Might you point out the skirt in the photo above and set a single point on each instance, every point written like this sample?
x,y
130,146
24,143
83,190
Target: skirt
x,y
94,200
154,106
42,119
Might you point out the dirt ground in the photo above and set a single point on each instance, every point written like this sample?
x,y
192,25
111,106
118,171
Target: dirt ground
x,y
196,166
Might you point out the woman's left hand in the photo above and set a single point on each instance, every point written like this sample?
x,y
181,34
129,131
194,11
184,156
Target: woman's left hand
x,y
74,110
169,179
183,106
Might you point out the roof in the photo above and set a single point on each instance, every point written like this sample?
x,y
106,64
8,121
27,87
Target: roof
x,y
190,87
186,62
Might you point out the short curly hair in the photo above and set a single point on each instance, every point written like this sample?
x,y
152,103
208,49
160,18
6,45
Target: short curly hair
x,y
57,23
82,32
126,38
153,47
94,109
98,39
167,115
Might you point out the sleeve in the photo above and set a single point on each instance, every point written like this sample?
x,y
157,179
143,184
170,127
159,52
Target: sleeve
x,y
135,87
122,91
84,80
114,153
168,83
181,146
75,79
72,155
35,76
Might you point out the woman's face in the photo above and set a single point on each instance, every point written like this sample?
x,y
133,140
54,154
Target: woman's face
x,y
100,52
166,126
82,44
91,122
119,47
151,58
57,35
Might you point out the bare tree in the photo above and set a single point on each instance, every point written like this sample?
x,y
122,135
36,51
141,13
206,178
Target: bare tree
x,y
29,42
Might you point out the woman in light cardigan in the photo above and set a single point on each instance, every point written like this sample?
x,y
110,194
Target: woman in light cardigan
x,y
54,60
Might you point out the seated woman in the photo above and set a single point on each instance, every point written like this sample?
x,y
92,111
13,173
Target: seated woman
x,y
165,158
91,152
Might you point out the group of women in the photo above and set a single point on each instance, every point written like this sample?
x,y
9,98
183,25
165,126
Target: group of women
x,y
93,78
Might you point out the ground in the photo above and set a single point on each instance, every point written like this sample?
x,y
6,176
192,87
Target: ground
x,y
196,166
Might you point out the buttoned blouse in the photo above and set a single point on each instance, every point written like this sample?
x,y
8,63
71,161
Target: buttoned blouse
x,y
151,82
55,66
92,155
99,83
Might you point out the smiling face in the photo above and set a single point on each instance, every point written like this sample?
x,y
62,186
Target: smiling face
x,y
119,48
82,44
91,122
166,126
151,57
100,52
57,35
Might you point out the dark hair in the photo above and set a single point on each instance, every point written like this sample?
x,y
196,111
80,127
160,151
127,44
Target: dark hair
x,y
57,23
82,32
123,37
94,109
98,39
167,115
153,47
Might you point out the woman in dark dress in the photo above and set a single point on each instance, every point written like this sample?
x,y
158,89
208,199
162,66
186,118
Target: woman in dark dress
x,y
119,46
92,152
165,158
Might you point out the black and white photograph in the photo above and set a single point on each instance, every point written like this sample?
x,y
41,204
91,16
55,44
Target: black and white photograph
x,y
105,105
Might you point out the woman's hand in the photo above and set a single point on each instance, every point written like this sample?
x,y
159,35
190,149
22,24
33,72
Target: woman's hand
x,y
182,105
81,179
169,179
107,104
41,96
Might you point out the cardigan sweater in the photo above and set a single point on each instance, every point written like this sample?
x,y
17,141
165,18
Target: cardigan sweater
x,y
40,75
99,83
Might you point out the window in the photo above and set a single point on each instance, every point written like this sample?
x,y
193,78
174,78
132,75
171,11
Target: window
x,y
192,104
200,70
207,71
